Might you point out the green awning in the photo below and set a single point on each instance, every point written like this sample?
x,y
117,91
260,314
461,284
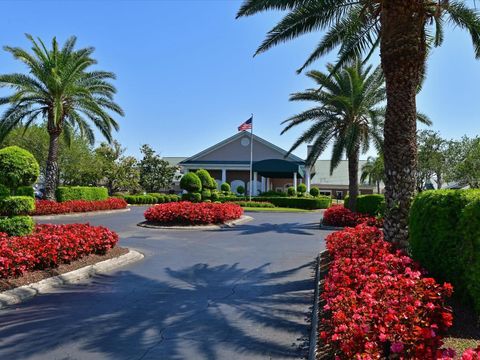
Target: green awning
x,y
278,168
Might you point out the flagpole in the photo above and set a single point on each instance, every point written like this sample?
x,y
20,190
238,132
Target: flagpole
x,y
251,159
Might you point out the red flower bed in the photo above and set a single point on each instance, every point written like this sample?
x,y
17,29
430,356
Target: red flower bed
x,y
340,216
51,245
380,304
47,207
187,213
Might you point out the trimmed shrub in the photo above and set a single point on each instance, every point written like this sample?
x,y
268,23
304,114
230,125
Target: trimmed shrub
x,y
67,193
314,191
254,204
206,180
291,191
240,190
302,189
17,225
321,202
225,187
444,238
18,167
4,191
193,197
371,204
216,195
172,198
206,194
191,182
25,191
17,205
273,193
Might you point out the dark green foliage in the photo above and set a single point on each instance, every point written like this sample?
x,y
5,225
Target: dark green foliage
x,y
193,197
444,237
159,198
254,204
206,194
216,195
321,202
25,191
368,204
225,187
273,193
156,174
18,167
4,191
140,199
291,191
191,182
314,191
66,193
172,198
301,189
240,190
17,205
208,183
17,225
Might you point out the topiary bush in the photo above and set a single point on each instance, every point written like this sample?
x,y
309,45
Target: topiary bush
x,y
67,193
193,197
291,191
302,189
17,225
445,238
25,191
17,205
225,187
206,194
191,182
4,191
314,191
240,190
207,181
370,204
18,167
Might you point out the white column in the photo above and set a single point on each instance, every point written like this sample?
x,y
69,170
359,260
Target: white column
x,y
295,181
224,176
254,187
263,184
307,179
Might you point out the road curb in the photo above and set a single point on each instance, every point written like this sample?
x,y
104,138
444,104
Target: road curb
x,y
26,292
312,353
88,213
228,224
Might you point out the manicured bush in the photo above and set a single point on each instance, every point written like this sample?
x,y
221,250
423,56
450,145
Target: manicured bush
x,y
172,198
17,205
254,204
140,199
193,197
67,193
291,191
371,204
378,303
272,193
206,194
216,195
225,187
301,189
25,191
314,191
445,238
18,167
188,213
240,190
47,207
16,226
206,180
4,191
340,216
321,202
191,182
52,245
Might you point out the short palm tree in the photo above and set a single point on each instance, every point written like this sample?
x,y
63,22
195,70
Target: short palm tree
x,y
404,30
61,91
373,171
349,115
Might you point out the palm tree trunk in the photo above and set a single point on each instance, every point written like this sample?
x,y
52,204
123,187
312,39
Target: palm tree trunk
x,y
403,58
353,179
51,173
378,187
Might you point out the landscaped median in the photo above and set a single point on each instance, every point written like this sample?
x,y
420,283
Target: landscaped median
x,y
47,207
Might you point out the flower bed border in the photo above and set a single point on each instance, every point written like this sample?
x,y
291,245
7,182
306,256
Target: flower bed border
x,y
86,213
26,292
229,224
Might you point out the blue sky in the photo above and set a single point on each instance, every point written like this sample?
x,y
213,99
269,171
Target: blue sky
x,y
187,78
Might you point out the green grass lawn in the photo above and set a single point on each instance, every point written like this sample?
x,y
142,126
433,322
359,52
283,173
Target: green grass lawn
x,y
275,209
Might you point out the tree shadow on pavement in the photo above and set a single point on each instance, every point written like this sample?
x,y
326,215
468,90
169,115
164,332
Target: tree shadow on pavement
x,y
200,312
282,228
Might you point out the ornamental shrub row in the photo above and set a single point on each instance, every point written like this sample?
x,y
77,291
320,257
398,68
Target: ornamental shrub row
x,y
51,245
377,302
371,204
67,193
150,199
47,207
340,216
188,213
17,225
445,238
254,204
321,202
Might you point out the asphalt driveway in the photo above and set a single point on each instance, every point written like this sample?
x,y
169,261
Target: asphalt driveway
x,y
240,293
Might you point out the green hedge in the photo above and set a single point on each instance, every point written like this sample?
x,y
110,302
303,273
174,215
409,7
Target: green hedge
x,y
445,238
254,204
17,205
150,199
66,193
25,191
371,204
18,167
321,202
4,191
17,225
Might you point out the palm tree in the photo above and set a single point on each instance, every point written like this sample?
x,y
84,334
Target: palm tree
x,y
404,30
61,91
349,115
373,171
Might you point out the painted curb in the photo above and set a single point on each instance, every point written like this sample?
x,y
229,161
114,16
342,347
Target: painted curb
x,y
88,213
312,353
26,292
228,224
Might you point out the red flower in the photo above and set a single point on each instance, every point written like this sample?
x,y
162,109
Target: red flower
x,y
47,207
340,216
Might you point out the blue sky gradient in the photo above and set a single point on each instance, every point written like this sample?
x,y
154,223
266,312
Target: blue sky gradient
x,y
187,78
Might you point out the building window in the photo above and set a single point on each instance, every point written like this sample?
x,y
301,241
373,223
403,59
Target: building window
x,y
339,194
325,192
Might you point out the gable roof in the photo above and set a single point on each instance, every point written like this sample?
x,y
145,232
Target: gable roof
x,y
237,136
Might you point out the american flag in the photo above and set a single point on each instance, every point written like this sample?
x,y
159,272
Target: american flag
x,y
247,125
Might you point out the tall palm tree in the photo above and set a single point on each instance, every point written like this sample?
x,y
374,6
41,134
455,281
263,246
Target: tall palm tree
x,y
61,91
373,171
404,30
349,115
